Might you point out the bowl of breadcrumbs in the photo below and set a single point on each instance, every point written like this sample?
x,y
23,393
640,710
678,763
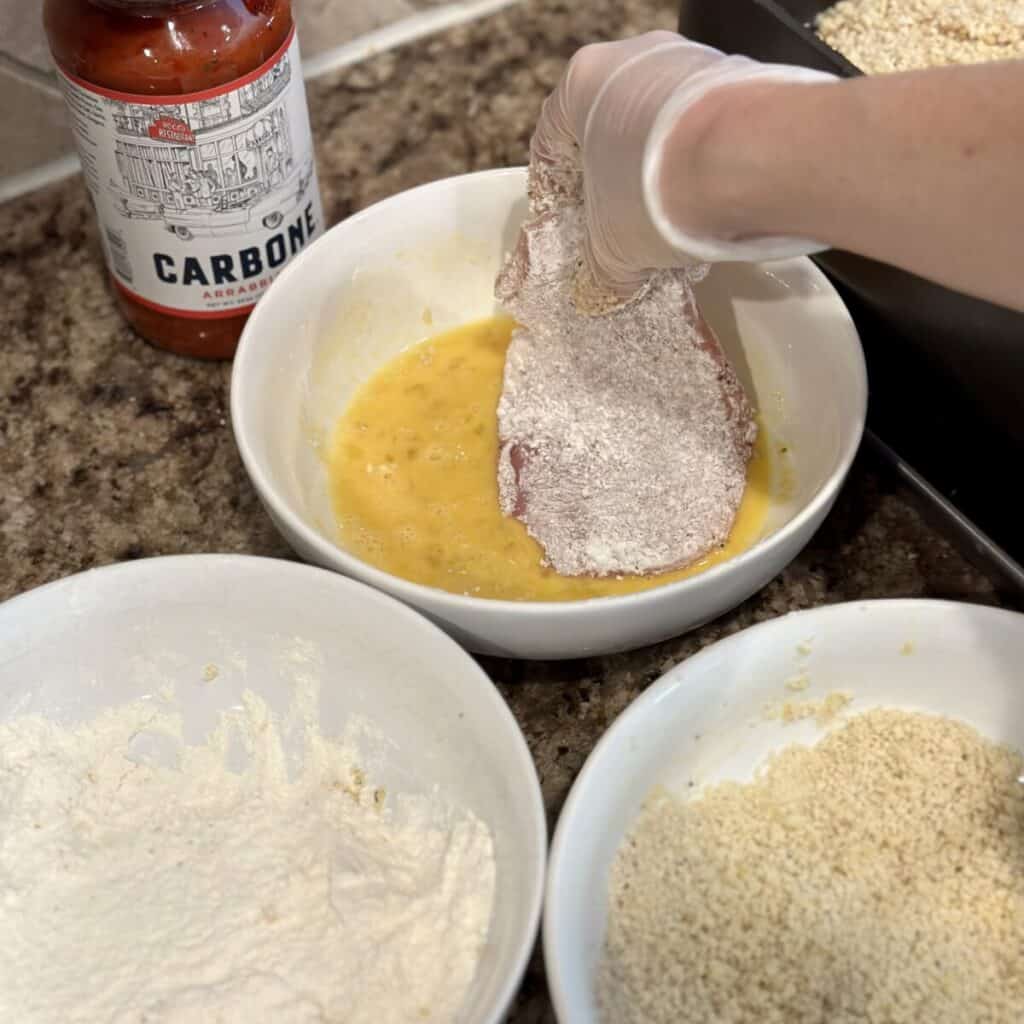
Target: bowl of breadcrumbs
x,y
820,818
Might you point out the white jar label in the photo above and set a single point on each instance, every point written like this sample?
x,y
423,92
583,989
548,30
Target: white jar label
x,y
202,198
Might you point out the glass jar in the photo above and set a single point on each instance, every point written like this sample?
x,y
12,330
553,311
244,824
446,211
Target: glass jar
x,y
191,123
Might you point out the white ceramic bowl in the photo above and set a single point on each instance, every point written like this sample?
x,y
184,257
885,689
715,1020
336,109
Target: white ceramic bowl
x,y
704,720
112,635
367,289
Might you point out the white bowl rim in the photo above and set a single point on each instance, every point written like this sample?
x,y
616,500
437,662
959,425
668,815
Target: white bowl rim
x,y
574,802
446,601
526,764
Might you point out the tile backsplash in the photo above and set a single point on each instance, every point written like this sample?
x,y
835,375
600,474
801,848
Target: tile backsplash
x,y
21,33
32,125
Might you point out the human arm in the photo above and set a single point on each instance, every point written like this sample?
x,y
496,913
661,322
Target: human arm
x,y
923,170
690,155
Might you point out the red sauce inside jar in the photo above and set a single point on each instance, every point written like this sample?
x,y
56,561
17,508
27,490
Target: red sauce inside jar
x,y
173,48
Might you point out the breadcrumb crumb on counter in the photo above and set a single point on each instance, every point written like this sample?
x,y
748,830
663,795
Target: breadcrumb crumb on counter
x,y
877,876
880,36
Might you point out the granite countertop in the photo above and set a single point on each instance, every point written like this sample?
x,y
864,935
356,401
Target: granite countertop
x,y
113,450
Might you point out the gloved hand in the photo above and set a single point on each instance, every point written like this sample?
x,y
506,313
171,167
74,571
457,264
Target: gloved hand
x,y
612,112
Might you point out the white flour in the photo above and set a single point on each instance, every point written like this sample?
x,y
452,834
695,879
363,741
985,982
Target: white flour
x,y
136,890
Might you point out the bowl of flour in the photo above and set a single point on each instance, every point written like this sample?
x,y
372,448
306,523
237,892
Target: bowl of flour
x,y
237,788
819,818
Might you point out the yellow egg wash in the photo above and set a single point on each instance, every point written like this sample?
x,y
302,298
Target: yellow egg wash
x,y
413,479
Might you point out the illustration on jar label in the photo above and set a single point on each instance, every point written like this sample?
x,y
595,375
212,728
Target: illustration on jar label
x,y
202,199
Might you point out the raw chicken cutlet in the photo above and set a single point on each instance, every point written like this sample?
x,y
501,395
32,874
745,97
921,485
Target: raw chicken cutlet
x,y
625,433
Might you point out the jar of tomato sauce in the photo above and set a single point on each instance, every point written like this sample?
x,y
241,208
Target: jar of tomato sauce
x,y
191,123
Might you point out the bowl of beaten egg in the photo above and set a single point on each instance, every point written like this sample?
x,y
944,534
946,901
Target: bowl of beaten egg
x,y
364,399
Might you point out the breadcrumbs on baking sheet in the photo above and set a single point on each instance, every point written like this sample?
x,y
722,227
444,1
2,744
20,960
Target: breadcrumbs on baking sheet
x,y
876,877
880,36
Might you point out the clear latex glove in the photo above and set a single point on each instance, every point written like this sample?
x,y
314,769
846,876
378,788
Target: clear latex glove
x,y
609,117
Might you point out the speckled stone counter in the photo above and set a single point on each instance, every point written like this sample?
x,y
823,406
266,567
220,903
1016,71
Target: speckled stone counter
x,y
111,450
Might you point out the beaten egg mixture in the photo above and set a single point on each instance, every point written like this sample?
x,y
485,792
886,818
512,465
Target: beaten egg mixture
x,y
413,479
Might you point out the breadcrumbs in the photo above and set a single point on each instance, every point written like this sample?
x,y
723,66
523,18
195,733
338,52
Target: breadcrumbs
x,y
876,877
824,711
798,683
879,36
